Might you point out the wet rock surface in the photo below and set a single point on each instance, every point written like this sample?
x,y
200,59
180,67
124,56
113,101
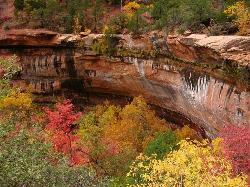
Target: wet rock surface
x,y
62,63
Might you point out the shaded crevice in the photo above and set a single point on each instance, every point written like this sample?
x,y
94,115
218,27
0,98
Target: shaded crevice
x,y
70,63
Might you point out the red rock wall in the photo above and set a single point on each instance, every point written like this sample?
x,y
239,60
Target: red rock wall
x,y
6,8
207,101
203,99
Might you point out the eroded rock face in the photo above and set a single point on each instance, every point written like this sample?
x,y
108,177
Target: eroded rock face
x,y
211,49
27,37
203,99
207,101
6,8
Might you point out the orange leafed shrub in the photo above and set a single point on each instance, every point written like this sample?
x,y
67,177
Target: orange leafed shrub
x,y
135,125
115,135
187,132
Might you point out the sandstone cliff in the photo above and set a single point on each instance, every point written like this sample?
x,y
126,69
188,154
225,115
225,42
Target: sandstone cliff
x,y
189,75
6,8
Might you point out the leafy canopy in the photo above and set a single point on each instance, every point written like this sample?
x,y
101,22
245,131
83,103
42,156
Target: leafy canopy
x,y
236,147
162,144
194,164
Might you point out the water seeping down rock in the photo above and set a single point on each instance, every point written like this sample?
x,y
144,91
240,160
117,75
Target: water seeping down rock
x,y
206,79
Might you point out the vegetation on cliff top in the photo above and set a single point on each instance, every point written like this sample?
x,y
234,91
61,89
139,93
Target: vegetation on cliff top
x,y
206,16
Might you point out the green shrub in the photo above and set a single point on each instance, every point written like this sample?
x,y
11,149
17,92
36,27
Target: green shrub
x,y
19,4
197,11
97,12
9,69
30,5
107,44
166,13
119,22
185,13
221,17
137,24
115,2
162,144
75,8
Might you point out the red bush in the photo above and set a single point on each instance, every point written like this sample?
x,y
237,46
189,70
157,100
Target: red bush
x,y
236,147
61,126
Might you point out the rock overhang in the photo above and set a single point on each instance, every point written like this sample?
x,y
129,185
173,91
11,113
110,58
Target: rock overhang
x,y
170,81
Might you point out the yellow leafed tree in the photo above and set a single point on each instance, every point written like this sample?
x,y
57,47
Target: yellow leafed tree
x,y
16,99
131,8
127,129
242,14
135,125
193,165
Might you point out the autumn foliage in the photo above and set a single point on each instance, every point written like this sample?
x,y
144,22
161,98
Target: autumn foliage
x,y
26,159
241,13
194,164
236,147
115,135
135,125
131,7
16,99
107,140
61,128
187,133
